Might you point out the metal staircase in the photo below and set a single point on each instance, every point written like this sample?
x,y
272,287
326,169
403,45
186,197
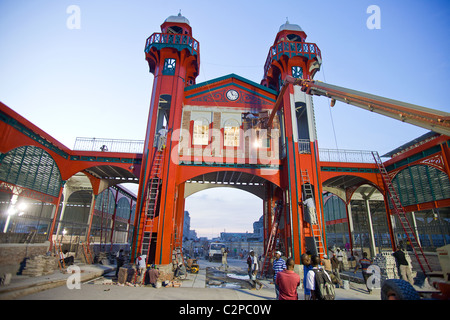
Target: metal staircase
x,y
272,241
401,214
151,202
316,229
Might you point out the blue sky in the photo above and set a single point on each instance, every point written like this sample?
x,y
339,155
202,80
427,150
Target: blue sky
x,y
94,81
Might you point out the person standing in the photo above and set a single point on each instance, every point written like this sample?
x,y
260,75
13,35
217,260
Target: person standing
x,y
120,260
365,263
306,261
162,138
335,268
288,282
278,266
326,264
253,270
224,258
141,266
153,275
403,265
311,216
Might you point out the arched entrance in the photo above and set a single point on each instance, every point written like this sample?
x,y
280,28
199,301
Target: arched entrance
x,y
236,179
233,216
356,215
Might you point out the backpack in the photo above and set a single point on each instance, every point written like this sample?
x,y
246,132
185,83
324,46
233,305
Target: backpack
x,y
324,287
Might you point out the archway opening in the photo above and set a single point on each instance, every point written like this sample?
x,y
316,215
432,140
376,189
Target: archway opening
x,y
226,215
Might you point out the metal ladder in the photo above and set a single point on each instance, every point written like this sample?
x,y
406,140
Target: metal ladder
x,y
401,214
151,202
271,243
87,253
316,230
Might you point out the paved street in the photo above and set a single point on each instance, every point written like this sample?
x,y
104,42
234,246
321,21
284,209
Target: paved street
x,y
194,287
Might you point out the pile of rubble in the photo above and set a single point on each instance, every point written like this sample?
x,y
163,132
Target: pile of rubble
x,y
40,265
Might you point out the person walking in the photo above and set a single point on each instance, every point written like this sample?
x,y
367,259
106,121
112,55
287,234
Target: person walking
x,y
403,265
288,282
365,263
278,266
311,277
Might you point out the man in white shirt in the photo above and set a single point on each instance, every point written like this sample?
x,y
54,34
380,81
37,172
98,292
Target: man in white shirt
x,y
253,271
311,216
162,138
310,276
141,264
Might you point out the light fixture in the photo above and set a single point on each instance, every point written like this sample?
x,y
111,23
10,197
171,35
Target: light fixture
x,y
257,144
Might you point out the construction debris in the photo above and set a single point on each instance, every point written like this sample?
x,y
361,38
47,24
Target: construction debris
x,y
126,275
40,265
388,266
5,279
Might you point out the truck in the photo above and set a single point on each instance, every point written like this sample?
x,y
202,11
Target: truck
x,y
215,251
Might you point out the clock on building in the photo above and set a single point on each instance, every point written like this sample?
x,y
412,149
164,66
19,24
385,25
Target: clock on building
x,y
232,95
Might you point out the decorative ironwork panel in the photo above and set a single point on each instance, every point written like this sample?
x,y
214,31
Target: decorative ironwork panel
x,y
31,167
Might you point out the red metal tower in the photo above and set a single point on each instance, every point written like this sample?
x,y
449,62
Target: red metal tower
x,y
291,55
173,58
220,140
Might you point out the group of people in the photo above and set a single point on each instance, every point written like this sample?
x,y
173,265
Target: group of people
x,y
318,271
287,281
147,274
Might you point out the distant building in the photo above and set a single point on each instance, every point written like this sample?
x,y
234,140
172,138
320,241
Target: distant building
x,y
188,234
257,235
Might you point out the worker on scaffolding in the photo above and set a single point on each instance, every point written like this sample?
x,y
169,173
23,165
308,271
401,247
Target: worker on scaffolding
x,y
162,138
250,117
310,216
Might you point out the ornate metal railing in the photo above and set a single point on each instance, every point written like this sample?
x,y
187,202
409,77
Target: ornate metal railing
x,y
137,146
181,41
291,48
109,145
304,146
335,155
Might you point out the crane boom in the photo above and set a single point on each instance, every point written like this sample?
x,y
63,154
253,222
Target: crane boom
x,y
431,119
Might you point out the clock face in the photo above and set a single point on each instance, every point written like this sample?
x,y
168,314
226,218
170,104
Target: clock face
x,y
232,95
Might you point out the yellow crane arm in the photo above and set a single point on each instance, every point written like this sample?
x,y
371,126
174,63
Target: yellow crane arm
x,y
431,119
